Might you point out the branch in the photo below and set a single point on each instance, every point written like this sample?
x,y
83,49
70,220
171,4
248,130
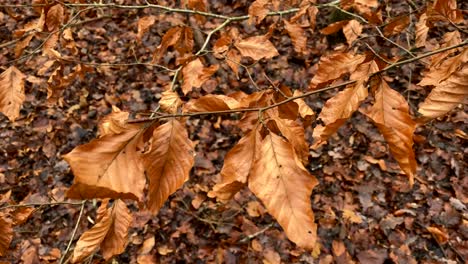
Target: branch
x,y
74,231
261,109
38,204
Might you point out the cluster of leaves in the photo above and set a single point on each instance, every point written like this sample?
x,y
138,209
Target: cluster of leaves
x,y
148,159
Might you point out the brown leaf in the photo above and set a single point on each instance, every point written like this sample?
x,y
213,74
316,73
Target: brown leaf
x,y
168,162
22,44
11,92
181,38
304,110
439,73
334,27
449,39
335,65
337,110
298,36
312,12
448,10
446,96
258,11
397,25
115,123
233,59
6,234
237,166
55,17
143,26
49,45
294,133
352,30
212,102
440,235
341,254
421,31
257,47
283,184
390,114
222,45
170,101
110,166
195,74
109,233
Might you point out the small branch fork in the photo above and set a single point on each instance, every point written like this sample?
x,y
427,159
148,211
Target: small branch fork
x,y
261,109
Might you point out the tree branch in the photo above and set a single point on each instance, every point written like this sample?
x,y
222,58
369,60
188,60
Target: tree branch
x,y
261,109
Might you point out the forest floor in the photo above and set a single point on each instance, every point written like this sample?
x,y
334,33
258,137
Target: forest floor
x,y
365,210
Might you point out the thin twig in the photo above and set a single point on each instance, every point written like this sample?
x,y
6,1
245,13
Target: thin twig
x,y
261,109
83,203
252,236
393,42
38,204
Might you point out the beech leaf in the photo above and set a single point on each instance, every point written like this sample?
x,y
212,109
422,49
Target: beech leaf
x,y
6,234
298,36
168,162
283,184
257,47
195,74
11,92
212,102
294,133
170,101
446,96
237,166
144,24
110,166
390,114
335,65
55,17
109,233
352,30
258,11
421,31
337,110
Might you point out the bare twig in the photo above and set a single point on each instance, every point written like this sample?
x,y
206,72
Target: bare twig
x,y
38,204
262,109
83,203
393,42
252,236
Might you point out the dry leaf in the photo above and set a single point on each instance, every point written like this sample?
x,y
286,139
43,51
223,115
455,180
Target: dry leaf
x,y
212,102
257,47
110,166
397,25
298,36
237,166
335,65
446,96
283,184
109,233
334,27
352,30
421,31
55,17
440,235
6,234
195,74
143,25
170,102
11,92
167,162
337,110
390,114
258,11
